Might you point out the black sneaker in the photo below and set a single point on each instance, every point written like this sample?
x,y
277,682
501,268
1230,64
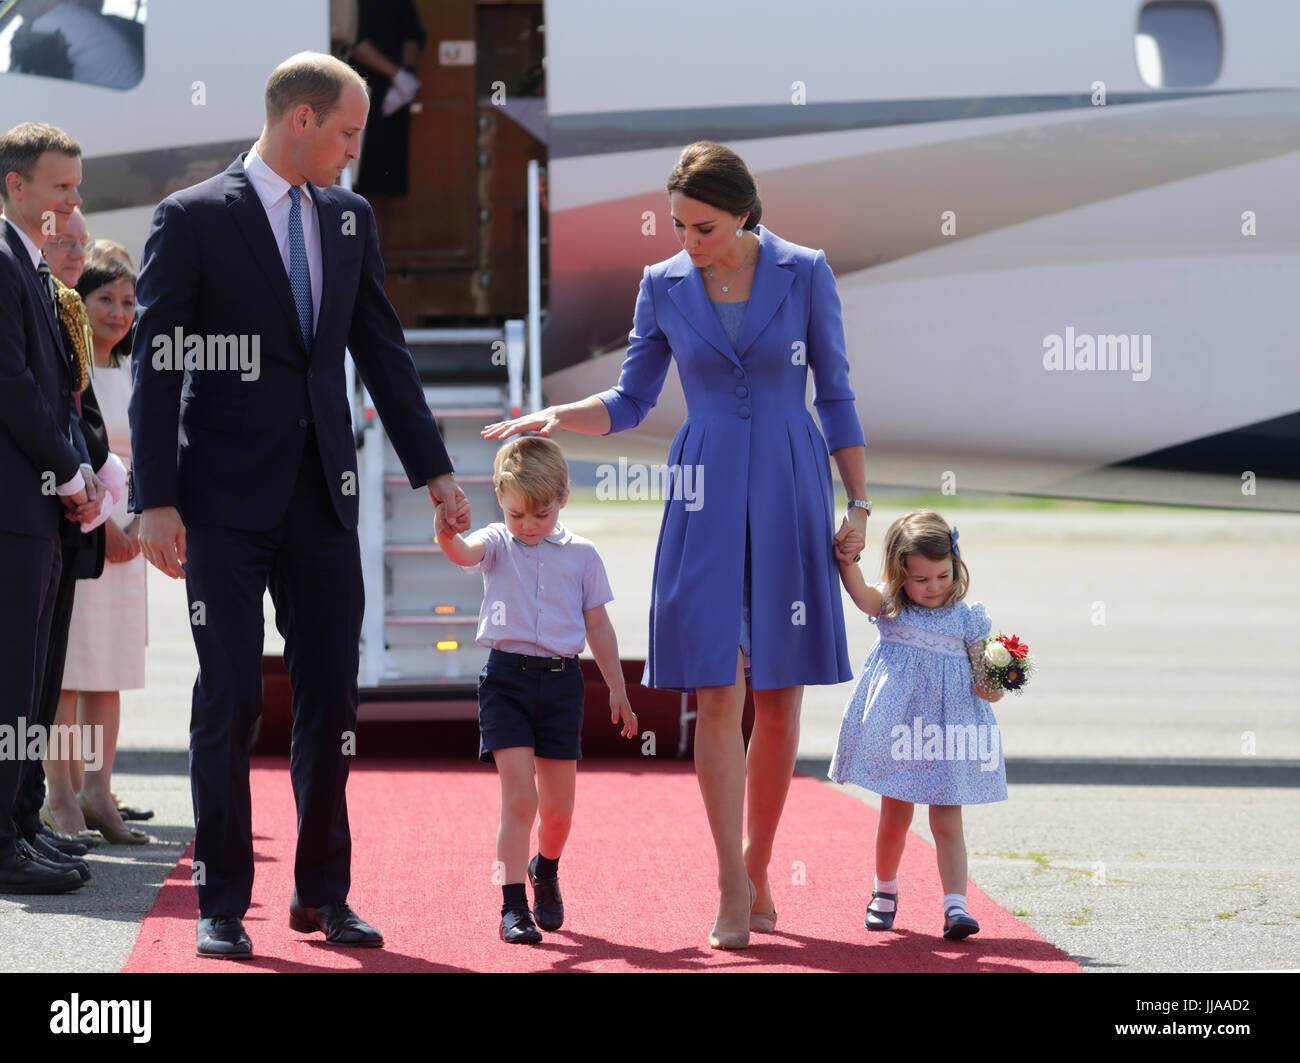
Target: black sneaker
x,y
548,905
517,927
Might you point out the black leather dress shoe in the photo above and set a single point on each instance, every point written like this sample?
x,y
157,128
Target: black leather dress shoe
x,y
65,843
548,905
517,928
341,924
222,938
39,851
19,873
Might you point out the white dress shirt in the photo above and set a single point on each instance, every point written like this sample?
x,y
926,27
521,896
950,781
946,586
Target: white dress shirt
x,y
273,191
32,249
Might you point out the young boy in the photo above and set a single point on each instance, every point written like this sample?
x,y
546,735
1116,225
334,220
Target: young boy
x,y
544,595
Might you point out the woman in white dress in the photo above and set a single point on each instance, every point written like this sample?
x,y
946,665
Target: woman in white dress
x,y
106,639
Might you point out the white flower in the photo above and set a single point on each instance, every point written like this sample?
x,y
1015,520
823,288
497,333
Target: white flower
x,y
997,655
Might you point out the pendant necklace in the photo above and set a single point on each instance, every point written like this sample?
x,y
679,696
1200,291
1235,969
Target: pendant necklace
x,y
733,272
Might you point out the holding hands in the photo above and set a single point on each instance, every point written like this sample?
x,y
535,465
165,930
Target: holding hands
x,y
850,539
451,507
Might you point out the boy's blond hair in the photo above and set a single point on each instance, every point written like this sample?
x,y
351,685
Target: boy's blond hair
x,y
534,467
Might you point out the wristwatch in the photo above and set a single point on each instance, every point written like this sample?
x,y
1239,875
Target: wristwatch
x,y
861,503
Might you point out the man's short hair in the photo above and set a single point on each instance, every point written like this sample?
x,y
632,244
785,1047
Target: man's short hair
x,y
23,145
312,78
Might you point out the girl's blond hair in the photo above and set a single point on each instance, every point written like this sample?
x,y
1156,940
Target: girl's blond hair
x,y
927,534
533,466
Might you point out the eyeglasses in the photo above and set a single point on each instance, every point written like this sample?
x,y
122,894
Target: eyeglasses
x,y
68,243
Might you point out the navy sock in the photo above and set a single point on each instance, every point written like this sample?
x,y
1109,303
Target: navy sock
x,y
547,868
513,895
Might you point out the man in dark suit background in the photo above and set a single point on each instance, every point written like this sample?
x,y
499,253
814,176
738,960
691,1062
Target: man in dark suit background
x,y
45,468
82,558
244,467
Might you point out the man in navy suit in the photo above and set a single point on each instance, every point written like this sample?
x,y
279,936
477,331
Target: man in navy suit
x,y
244,468
45,468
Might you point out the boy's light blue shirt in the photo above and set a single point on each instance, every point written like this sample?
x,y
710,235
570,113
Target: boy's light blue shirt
x,y
534,596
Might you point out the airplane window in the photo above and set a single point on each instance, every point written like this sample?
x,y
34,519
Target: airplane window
x,y
1179,43
96,42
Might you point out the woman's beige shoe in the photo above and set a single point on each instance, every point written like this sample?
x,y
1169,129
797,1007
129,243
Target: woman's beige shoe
x,y
89,837
126,836
733,939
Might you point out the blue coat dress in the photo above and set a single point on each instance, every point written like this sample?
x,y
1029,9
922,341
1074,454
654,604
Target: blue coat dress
x,y
765,470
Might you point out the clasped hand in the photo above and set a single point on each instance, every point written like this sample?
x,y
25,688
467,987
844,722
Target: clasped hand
x,y
851,539
451,506
84,505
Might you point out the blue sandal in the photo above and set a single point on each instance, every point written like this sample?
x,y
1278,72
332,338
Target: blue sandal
x,y
881,920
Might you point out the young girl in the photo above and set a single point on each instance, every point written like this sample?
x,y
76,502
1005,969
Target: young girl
x,y
918,728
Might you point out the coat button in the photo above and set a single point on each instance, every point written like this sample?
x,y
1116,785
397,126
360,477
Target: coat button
x,y
743,411
302,422
741,391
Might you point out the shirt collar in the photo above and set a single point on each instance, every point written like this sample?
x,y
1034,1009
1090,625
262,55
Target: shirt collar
x,y
270,186
32,249
559,537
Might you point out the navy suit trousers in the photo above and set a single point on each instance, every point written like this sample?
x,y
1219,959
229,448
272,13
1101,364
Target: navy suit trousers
x,y
29,581
312,566
31,788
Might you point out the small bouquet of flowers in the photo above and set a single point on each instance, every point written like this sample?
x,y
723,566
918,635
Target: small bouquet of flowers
x,y
1005,663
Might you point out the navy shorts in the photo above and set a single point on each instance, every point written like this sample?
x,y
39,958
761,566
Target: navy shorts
x,y
520,706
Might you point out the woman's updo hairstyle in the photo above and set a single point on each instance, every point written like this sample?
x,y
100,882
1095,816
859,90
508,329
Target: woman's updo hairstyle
x,y
719,177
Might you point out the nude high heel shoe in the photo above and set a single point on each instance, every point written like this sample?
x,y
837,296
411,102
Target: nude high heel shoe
x,y
733,939
129,836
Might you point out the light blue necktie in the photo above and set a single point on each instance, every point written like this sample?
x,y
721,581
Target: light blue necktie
x,y
299,274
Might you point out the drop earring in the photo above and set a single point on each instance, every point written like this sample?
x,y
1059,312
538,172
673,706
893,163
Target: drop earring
x,y
740,233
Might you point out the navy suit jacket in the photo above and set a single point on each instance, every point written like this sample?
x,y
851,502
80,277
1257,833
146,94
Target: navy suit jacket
x,y
224,446
39,431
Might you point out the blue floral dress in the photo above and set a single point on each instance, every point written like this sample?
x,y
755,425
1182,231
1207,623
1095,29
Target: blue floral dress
x,y
914,729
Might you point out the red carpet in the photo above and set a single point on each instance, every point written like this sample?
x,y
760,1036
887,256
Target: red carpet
x,y
637,876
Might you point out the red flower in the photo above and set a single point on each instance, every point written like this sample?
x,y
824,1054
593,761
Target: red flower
x,y
1014,646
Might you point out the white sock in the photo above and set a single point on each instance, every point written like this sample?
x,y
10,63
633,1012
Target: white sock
x,y
879,904
954,900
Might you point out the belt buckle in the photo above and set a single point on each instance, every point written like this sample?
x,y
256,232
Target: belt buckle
x,y
557,664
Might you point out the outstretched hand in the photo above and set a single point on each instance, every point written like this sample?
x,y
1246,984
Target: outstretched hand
x,y
544,422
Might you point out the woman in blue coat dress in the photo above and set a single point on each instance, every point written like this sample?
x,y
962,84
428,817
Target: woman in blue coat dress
x,y
745,578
